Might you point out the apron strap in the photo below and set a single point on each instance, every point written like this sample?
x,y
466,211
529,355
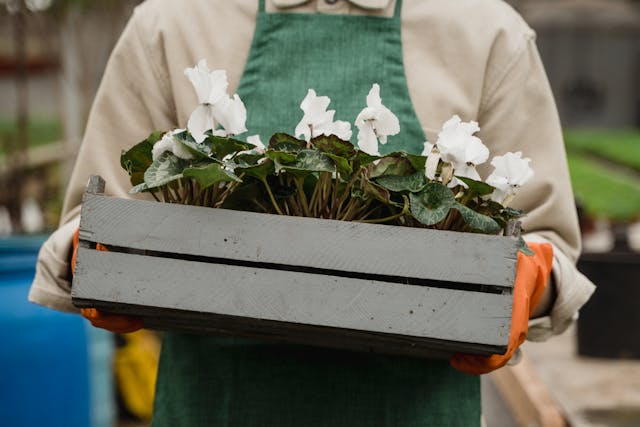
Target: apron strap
x,y
397,11
261,6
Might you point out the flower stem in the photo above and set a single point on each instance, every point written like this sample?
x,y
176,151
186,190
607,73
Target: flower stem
x,y
337,208
405,210
381,220
273,199
166,195
302,196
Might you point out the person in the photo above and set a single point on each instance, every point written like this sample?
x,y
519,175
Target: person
x,y
432,59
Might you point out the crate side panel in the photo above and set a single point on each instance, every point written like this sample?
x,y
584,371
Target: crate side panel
x,y
212,324
305,242
293,297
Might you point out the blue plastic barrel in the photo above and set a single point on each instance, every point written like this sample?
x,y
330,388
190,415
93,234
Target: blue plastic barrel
x,y
50,368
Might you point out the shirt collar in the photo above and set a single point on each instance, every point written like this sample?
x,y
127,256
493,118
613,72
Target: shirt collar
x,y
365,4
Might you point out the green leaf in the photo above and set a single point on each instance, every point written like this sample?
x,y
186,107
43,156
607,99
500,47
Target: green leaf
x,y
524,248
286,142
210,174
246,159
302,163
280,158
333,145
478,188
400,166
246,197
138,158
163,170
343,166
364,159
222,146
140,188
199,150
416,161
477,221
413,183
260,170
432,205
376,191
314,161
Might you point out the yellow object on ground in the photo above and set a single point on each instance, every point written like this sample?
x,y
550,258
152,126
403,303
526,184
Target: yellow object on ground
x,y
136,367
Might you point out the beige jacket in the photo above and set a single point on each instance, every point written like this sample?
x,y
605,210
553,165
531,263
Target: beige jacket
x,y
474,58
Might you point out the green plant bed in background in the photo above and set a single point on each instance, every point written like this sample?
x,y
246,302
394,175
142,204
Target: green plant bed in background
x,y
604,192
41,132
622,147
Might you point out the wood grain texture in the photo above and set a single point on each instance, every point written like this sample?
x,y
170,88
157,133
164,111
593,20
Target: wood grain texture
x,y
96,185
293,297
221,325
306,242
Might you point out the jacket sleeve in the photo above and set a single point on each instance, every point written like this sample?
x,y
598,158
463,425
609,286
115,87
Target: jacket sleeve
x,y
518,113
133,100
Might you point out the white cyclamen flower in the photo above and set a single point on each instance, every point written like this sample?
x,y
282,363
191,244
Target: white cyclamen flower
x,y
211,87
511,172
169,143
339,128
459,147
375,123
473,154
318,121
315,115
231,114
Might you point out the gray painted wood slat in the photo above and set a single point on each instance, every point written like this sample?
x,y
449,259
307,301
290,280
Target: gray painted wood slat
x,y
302,280
416,312
294,241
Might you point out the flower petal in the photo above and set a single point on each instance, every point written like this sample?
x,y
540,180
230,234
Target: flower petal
x,y
210,86
199,77
475,151
303,129
387,124
467,171
513,168
231,114
342,130
160,147
218,86
427,148
458,145
373,98
431,165
314,105
367,140
316,118
200,121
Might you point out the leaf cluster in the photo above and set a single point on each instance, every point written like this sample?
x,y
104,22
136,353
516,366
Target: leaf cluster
x,y
324,178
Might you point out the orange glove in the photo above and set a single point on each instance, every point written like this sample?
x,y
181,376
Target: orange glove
x,y
117,323
532,275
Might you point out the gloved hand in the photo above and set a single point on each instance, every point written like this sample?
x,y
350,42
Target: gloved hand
x,y
532,275
117,323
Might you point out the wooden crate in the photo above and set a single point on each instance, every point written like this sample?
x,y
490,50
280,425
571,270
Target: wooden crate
x,y
380,288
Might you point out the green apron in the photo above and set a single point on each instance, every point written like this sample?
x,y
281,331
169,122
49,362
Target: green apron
x,y
210,381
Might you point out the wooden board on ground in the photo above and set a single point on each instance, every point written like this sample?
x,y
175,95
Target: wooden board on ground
x,y
527,396
340,284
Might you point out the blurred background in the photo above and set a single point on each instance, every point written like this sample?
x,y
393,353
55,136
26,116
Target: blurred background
x,y
52,55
